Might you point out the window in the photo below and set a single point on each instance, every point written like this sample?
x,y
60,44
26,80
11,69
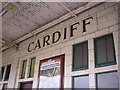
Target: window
x,y
80,56
7,72
32,67
104,51
107,80
5,86
81,81
23,69
2,72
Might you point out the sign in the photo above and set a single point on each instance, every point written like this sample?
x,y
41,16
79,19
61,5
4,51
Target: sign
x,y
57,35
51,73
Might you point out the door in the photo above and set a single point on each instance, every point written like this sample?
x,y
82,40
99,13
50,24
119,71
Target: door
x,y
26,85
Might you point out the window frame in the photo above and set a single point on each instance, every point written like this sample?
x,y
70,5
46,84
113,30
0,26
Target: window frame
x,y
73,55
78,76
95,51
30,67
5,77
2,74
102,73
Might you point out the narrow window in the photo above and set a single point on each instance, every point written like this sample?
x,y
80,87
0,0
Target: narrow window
x,y
80,56
32,67
104,51
107,80
23,69
1,73
7,72
81,81
5,86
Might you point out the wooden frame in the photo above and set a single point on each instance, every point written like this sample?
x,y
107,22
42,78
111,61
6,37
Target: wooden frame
x,y
61,57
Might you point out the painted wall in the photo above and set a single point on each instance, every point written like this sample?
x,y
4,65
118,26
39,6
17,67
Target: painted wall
x,y
105,20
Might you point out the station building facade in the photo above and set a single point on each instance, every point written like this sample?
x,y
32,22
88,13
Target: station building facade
x,y
80,52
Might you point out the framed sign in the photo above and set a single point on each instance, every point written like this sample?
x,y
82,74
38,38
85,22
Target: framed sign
x,y
51,72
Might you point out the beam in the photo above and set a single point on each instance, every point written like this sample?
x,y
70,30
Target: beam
x,y
68,10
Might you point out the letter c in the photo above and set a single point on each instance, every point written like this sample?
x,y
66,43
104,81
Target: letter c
x,y
29,50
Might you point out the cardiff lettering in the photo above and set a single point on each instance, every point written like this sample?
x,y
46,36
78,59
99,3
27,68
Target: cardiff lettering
x,y
56,36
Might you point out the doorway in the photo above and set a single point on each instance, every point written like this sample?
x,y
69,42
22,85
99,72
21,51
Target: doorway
x,y
26,85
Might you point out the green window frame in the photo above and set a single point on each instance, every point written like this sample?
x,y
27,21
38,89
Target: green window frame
x,y
23,69
84,54
32,67
105,38
7,73
73,81
107,79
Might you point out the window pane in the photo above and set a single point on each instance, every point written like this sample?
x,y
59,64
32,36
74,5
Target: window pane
x,y
85,55
1,73
107,80
101,51
110,51
7,72
23,70
80,56
81,82
5,86
32,66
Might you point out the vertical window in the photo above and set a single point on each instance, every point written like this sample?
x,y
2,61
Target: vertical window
x,y
104,51
80,56
107,80
81,81
7,72
23,69
5,86
1,73
32,67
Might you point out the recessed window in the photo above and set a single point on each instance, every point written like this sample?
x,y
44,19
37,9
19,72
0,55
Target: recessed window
x,y
23,69
2,72
32,67
80,56
7,72
5,86
104,51
107,80
81,81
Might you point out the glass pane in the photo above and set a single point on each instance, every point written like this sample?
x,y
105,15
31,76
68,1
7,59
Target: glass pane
x,y
1,73
23,69
81,82
78,57
5,86
7,72
108,80
101,51
32,66
85,55
110,50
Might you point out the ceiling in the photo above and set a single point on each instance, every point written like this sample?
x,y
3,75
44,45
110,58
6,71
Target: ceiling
x,y
22,18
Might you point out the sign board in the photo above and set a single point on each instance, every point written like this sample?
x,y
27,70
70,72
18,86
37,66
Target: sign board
x,y
51,73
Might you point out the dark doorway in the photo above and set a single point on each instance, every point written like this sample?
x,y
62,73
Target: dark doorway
x,y
26,85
